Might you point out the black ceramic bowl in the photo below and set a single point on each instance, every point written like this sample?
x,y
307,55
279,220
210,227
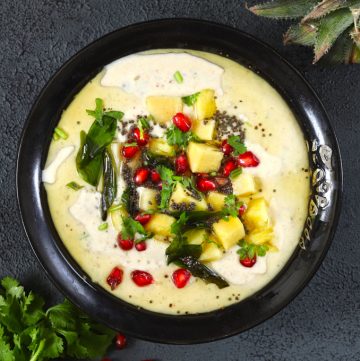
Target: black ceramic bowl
x,y
326,181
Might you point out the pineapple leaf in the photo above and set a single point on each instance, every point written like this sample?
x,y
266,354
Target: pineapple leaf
x,y
343,51
301,34
284,9
327,6
330,28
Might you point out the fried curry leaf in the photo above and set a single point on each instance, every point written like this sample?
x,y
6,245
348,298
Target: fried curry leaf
x,y
109,191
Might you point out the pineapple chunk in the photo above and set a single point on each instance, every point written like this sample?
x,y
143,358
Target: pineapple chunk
x,y
116,218
181,195
204,158
260,236
195,236
159,146
204,129
163,108
229,232
216,200
212,251
257,214
160,224
147,198
244,184
205,105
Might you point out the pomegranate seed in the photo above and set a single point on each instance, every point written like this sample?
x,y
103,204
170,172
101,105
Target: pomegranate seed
x,y
141,246
182,121
242,210
248,159
229,166
205,184
226,147
221,181
181,164
129,151
125,244
141,176
143,218
115,278
142,278
181,277
141,141
248,262
120,341
155,176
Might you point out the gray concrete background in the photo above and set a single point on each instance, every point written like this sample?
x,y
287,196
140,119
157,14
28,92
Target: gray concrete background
x,y
37,37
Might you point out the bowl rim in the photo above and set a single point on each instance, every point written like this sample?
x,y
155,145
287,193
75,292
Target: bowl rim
x,y
30,203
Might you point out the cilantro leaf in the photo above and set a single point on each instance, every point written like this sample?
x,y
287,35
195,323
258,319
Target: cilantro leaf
x,y
175,136
237,144
231,207
168,184
191,99
249,250
130,227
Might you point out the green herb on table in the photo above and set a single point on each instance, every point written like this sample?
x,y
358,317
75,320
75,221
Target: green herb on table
x,y
60,133
30,333
178,77
191,99
237,144
249,250
74,186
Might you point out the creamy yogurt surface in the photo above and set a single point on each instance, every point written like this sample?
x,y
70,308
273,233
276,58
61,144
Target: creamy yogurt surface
x,y
272,133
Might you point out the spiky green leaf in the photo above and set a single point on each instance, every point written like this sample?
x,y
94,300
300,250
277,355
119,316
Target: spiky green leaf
x,y
301,34
330,28
327,6
284,9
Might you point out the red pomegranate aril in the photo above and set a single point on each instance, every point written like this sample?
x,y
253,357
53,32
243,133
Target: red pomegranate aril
x,y
129,151
155,176
181,277
242,210
141,176
115,278
142,278
205,185
182,121
143,218
125,244
141,246
141,139
248,159
229,166
120,341
248,262
226,147
181,164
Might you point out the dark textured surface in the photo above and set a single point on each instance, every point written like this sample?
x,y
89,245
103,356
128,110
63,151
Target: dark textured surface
x,y
36,37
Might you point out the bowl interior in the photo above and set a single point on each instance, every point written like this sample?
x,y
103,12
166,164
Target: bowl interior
x,y
325,172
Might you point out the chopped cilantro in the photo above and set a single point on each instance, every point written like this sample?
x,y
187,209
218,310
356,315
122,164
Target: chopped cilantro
x,y
250,250
130,227
235,173
175,136
231,207
99,112
190,99
237,144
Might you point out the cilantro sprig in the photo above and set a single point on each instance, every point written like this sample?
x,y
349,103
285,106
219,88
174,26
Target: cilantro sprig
x,y
231,207
237,144
249,250
130,228
99,112
30,333
175,136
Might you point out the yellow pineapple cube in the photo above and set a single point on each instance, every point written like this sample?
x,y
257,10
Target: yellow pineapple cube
x,y
204,158
147,198
160,224
244,184
160,146
212,251
216,200
205,105
257,214
204,129
229,232
163,108
196,236
181,195
260,236
116,218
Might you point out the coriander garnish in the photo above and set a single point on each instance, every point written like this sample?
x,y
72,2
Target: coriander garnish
x,y
178,77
